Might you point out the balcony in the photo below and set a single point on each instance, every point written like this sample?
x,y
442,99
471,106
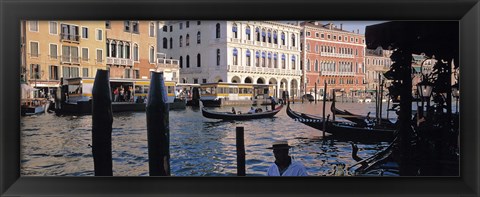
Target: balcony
x,y
262,70
335,73
339,55
70,60
119,61
235,40
73,38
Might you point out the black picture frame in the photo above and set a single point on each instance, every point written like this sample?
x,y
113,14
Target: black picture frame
x,y
465,11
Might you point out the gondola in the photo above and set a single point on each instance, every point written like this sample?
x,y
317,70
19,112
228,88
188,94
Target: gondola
x,y
358,119
246,116
344,130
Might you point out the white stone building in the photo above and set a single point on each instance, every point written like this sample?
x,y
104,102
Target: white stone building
x,y
258,52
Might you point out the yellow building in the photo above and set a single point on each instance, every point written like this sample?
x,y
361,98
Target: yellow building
x,y
52,50
131,48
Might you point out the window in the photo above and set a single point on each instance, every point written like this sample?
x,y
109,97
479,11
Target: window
x,y
53,51
317,35
53,27
264,36
234,30
84,72
187,24
126,26
127,73
53,72
198,37
99,55
120,49
180,26
127,50
171,28
107,24
84,32
99,34
152,29
275,37
316,66
218,57
188,61
248,59
69,32
322,35
217,31
235,58
263,59
180,41
283,38
204,80
308,33
75,58
135,27
85,54
257,31
165,43
257,59
269,35
334,37
34,71
136,74
308,65
34,49
195,81
135,52
165,28
152,55
247,33
198,22
70,72
187,40
181,62
199,60
328,36
171,43
33,26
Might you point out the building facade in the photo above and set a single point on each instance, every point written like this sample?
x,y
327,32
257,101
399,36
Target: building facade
x,y
52,50
257,52
377,62
333,56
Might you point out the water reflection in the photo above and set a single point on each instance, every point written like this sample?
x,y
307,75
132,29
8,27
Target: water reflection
x,y
198,147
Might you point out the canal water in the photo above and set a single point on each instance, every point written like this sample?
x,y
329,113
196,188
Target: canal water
x,y
59,145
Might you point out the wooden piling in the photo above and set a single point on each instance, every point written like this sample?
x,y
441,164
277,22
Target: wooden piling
x,y
102,119
195,97
240,151
158,131
324,104
316,93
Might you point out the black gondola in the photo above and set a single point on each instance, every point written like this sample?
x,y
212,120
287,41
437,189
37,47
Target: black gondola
x,y
358,119
344,130
246,116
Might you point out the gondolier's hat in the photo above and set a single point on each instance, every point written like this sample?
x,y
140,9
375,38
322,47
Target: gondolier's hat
x,y
282,144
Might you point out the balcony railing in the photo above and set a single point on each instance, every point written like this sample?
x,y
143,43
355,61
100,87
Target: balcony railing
x,y
70,59
263,70
70,37
168,61
119,61
326,54
335,73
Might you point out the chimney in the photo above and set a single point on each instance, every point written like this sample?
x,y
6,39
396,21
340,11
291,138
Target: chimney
x,y
358,31
330,25
341,26
315,23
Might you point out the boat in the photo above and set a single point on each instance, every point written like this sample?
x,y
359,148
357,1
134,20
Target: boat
x,y
234,94
244,116
381,163
359,119
78,93
344,130
34,106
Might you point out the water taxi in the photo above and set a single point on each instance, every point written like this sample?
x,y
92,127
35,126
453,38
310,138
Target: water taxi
x,y
127,95
231,94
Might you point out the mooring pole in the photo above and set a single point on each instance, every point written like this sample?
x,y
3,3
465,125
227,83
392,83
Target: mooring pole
x,y
240,151
324,104
316,93
102,120
195,97
158,131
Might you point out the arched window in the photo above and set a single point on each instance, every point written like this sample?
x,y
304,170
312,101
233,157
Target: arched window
x,y
264,36
108,48
269,35
218,57
269,60
127,50
187,40
188,61
284,65
248,59
316,65
247,32
198,37
181,61
135,52
283,38
263,59
152,54
199,60
217,31
165,43
275,37
257,33
120,49
308,65
235,57
180,41
257,59
293,39
171,43
152,29
234,30
293,62
114,48
275,62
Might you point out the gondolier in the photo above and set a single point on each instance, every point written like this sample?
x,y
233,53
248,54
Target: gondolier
x,y
284,164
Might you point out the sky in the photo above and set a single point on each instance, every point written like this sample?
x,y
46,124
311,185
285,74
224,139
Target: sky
x,y
352,25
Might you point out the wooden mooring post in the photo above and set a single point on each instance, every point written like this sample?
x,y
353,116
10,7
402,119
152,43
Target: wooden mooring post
x,y
240,151
102,119
158,131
